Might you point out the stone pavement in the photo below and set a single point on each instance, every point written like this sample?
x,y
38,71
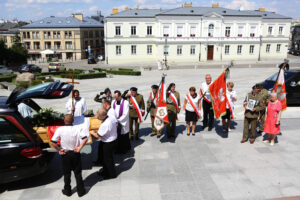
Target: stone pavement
x,y
208,166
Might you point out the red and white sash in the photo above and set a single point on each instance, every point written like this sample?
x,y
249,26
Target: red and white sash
x,y
229,107
204,97
174,99
137,108
192,104
152,97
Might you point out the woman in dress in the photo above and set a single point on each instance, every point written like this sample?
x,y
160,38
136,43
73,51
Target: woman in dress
x,y
272,122
192,106
232,97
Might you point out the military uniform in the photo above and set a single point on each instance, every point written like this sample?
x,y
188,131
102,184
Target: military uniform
x,y
265,96
172,114
251,117
133,115
152,106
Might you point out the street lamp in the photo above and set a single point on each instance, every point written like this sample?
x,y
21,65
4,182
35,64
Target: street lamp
x,y
165,51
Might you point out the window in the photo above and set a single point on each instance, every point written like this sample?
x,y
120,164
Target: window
x,y
133,30
239,49
149,30
166,31
38,35
47,45
227,31
9,133
149,49
97,43
33,35
24,35
56,45
69,45
118,50
251,50
118,30
54,35
36,45
252,31
68,34
45,35
91,35
86,34
97,34
58,34
27,45
280,30
227,49
166,50
278,48
49,35
211,30
91,43
268,48
28,35
133,49
240,31
193,50
179,50
179,31
270,30
86,44
193,31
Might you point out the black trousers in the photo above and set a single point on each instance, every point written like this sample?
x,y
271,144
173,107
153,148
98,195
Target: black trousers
x,y
171,126
208,114
123,143
71,161
107,156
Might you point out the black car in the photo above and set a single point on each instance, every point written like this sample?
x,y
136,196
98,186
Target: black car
x,y
292,85
92,60
22,152
30,68
297,52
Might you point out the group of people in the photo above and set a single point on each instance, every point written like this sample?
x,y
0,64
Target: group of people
x,y
121,115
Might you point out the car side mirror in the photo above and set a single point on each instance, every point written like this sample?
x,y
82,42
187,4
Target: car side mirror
x,y
293,84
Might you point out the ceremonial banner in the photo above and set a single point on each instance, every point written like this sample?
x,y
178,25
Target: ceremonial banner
x,y
279,88
218,94
161,115
137,108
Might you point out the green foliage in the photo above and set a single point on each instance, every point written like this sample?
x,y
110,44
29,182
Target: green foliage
x,y
36,82
100,69
49,80
130,73
45,117
23,84
7,78
90,75
125,69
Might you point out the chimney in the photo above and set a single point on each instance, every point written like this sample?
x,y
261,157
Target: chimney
x,y
261,9
115,11
126,8
78,16
215,5
188,5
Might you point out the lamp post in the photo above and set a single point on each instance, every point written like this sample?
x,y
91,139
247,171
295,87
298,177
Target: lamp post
x,y
165,52
260,43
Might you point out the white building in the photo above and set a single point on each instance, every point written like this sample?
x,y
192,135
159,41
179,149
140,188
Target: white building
x,y
195,34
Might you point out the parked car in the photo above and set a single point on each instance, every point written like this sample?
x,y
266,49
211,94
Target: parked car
x,y
292,84
22,152
4,70
291,51
56,66
297,52
92,60
30,68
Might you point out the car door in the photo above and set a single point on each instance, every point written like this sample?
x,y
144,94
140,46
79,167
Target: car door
x,y
52,90
293,90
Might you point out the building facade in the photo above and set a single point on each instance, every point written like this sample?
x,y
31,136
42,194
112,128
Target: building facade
x,y
68,37
194,34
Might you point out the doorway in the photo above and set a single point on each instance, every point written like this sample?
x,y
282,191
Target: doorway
x,y
210,52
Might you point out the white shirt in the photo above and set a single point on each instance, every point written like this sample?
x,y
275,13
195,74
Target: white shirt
x,y
70,137
205,88
108,130
195,100
80,107
230,96
111,113
124,118
24,110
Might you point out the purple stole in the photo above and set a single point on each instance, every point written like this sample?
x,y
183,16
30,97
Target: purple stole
x,y
120,113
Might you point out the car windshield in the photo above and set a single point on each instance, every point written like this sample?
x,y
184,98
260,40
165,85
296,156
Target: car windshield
x,y
52,64
287,76
38,88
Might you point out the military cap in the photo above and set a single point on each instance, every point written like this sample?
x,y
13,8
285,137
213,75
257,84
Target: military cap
x,y
155,87
133,89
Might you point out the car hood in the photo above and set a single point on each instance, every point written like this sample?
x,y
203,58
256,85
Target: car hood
x,y
53,90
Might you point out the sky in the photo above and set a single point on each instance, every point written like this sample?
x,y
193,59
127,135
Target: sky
x,y
37,9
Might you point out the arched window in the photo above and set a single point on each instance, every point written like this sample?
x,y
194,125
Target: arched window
x,y
211,30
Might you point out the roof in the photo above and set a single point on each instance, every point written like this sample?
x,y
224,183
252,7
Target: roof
x,y
64,22
196,11
9,25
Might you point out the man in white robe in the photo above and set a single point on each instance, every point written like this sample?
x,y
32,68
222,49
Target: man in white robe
x,y
78,106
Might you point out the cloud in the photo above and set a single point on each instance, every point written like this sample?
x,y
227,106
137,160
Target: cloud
x,y
93,8
172,1
244,4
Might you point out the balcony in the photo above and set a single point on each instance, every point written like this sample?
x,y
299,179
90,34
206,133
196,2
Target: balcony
x,y
166,35
252,34
193,35
240,35
179,35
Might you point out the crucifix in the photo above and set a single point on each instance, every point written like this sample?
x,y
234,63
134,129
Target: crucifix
x,y
73,83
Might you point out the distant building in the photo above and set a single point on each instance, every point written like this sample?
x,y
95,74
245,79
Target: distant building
x,y
8,30
295,35
69,37
194,34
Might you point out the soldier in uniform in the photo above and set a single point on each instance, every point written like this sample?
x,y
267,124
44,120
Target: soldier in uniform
x,y
103,95
134,116
173,107
151,107
265,96
253,105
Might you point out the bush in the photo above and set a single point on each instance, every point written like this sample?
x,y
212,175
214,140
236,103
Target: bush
x,y
7,78
50,73
36,82
100,69
130,73
90,76
125,69
49,80
23,84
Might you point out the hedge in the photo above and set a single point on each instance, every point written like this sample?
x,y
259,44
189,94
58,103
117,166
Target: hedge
x,y
7,78
50,73
84,76
130,73
100,69
125,69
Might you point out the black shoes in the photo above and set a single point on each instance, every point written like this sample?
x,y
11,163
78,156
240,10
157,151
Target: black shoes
x,y
82,193
210,128
68,193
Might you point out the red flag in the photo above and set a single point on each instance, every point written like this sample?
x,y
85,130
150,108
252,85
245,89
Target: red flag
x,y
279,88
218,94
161,115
